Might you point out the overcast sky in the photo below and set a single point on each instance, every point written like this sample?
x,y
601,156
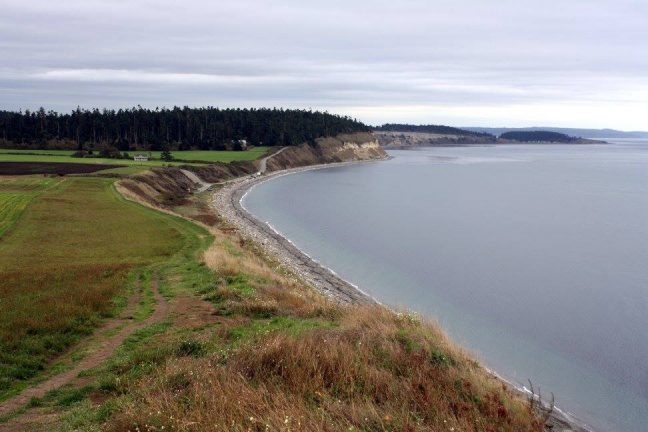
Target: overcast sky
x,y
581,63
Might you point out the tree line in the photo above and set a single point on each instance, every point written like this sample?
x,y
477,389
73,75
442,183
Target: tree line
x,y
435,129
178,128
538,136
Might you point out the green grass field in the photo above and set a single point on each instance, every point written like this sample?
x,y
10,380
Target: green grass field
x,y
26,157
15,195
38,152
182,157
65,259
213,155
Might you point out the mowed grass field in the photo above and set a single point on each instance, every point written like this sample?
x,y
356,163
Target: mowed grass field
x,y
66,251
181,157
30,157
15,195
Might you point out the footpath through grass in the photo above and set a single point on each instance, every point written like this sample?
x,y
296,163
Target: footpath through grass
x,y
262,352
246,346
64,261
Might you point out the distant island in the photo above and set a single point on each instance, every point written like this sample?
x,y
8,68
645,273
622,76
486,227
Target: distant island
x,y
542,137
580,132
404,136
431,129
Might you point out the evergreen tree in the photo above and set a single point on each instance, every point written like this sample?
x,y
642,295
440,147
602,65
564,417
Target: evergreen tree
x,y
179,128
166,154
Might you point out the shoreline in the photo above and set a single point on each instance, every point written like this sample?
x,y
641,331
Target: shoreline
x,y
227,201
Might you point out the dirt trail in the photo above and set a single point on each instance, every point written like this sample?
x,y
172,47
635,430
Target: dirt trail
x,y
202,186
92,360
263,163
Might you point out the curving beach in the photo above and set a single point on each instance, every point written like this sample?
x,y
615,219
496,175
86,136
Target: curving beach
x,y
227,201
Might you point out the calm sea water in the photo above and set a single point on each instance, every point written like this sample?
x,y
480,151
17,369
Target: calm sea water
x,y
535,257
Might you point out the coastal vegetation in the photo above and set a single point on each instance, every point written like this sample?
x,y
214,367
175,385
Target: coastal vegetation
x,y
178,128
236,343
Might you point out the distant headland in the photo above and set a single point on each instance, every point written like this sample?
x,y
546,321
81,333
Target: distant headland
x,y
403,136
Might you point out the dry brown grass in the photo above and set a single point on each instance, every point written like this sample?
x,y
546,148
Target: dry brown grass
x,y
376,371
334,368
271,292
224,262
279,356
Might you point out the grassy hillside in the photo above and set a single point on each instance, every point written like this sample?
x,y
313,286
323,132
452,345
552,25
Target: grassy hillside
x,y
63,261
244,345
260,351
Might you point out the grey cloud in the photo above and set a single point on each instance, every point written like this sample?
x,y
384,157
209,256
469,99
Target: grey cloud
x,y
379,60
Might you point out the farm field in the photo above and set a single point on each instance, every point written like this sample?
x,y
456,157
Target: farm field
x,y
38,152
213,155
27,157
54,168
64,259
15,195
191,156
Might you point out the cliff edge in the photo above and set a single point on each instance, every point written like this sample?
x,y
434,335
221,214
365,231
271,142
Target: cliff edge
x,y
343,148
168,186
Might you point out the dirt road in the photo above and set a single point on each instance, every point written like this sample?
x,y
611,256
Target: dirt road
x,y
92,360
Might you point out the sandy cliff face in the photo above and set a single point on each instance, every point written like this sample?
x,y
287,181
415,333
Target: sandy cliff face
x,y
168,186
405,140
344,148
